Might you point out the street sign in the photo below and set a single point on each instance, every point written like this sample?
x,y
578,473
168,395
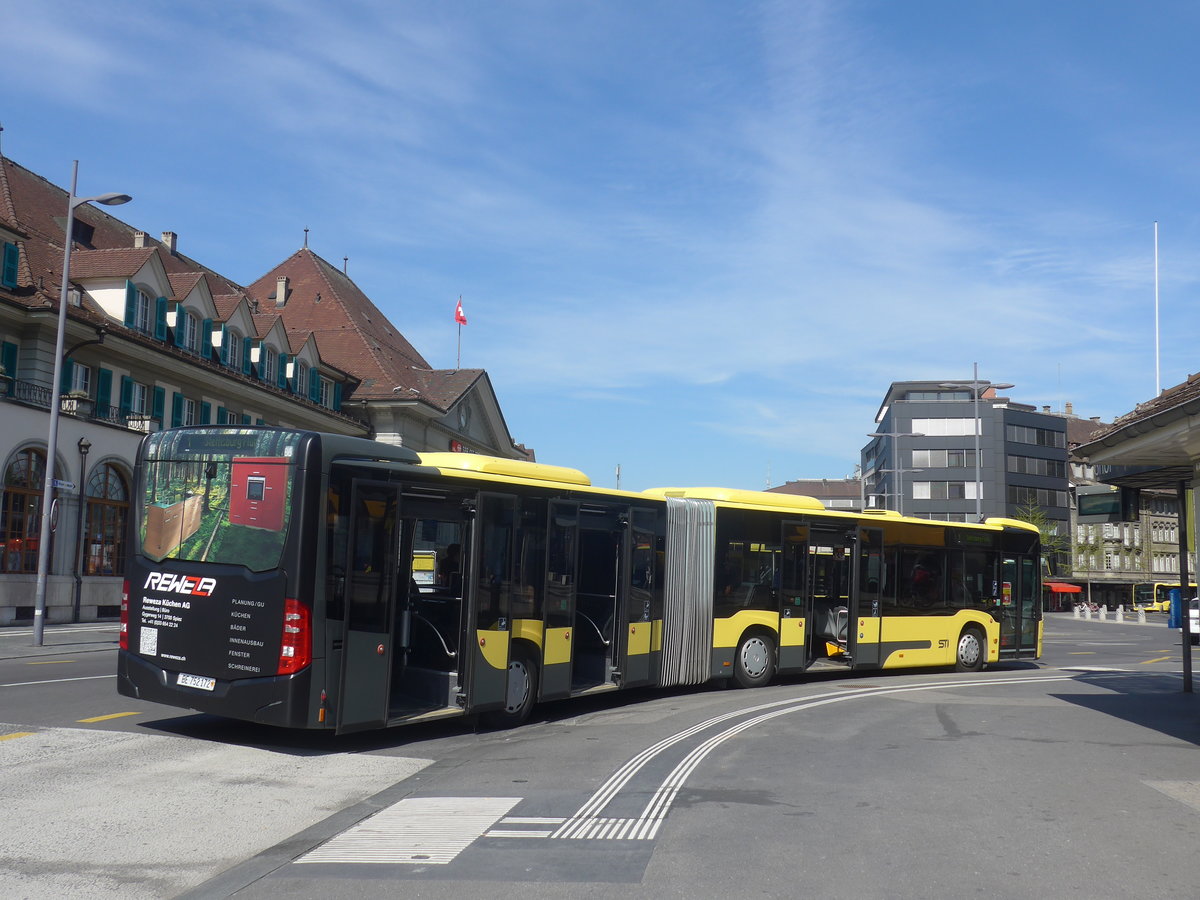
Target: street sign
x,y
62,485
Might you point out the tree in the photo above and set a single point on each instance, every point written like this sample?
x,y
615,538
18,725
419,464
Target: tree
x,y
1054,545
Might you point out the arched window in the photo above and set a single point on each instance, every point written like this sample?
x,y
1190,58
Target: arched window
x,y
104,528
21,511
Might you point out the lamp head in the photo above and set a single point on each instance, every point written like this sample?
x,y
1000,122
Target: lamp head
x,y
84,446
112,199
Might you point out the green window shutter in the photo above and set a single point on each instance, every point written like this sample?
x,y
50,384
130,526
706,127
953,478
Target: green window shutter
x,y
126,395
245,418
281,372
176,409
131,298
8,358
160,319
180,315
160,395
260,422
68,372
103,392
224,346
337,395
206,338
246,356
314,385
222,415
8,270
205,413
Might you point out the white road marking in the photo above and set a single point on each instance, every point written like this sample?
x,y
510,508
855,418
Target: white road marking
x,y
56,680
587,824
415,831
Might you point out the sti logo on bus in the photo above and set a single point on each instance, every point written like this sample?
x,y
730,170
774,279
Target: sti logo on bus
x,y
180,584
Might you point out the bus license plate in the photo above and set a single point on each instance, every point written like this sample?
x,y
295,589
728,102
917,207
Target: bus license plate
x,y
196,681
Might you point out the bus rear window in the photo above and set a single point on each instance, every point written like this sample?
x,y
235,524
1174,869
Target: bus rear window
x,y
217,495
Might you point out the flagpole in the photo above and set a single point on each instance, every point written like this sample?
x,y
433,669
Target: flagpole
x,y
1157,371
458,365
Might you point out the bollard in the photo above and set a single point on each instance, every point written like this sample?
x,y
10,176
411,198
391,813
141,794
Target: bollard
x,y
1087,612
1100,613
1078,610
1121,613
1141,616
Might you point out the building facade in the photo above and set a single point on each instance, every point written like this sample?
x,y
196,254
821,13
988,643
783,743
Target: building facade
x,y
155,339
962,453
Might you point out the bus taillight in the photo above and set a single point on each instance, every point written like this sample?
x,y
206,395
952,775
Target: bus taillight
x,y
124,644
295,649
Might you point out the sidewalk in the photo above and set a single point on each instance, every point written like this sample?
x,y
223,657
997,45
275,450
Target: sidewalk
x,y
16,642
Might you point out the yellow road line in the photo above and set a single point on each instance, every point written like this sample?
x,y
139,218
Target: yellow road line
x,y
51,662
109,716
1147,662
15,734
1083,653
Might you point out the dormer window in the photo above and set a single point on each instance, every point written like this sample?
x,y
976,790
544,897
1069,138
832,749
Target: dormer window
x,y
267,366
189,331
234,342
144,312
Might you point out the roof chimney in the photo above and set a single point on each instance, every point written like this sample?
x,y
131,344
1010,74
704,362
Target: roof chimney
x,y
1046,409
281,290
1096,419
139,240
1070,408
170,239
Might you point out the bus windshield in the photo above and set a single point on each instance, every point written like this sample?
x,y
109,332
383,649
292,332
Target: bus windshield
x,y
218,496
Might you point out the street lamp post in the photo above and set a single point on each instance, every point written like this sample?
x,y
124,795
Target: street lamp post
x,y
73,203
84,446
896,468
976,387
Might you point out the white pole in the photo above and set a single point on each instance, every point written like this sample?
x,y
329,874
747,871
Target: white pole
x,y
1157,372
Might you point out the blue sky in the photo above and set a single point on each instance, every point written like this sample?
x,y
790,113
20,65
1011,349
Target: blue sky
x,y
696,239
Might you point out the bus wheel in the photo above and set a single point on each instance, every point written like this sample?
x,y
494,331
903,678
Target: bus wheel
x,y
971,654
520,695
754,662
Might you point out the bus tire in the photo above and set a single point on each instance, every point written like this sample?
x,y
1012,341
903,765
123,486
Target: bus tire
x,y
754,662
971,653
520,695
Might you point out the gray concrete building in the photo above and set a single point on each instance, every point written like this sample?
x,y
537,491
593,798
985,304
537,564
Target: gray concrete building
x,y
960,452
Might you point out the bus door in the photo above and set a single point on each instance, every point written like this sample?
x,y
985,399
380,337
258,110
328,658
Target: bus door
x,y
831,589
562,554
1020,596
641,585
489,600
599,598
429,619
866,610
372,579
794,608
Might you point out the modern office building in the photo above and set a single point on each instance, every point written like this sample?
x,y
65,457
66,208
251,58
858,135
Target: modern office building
x,y
959,451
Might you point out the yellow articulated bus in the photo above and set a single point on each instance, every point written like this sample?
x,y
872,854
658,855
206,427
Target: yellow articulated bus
x,y
320,581
1156,596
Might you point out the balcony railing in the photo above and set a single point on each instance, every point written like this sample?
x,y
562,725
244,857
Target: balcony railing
x,y
32,393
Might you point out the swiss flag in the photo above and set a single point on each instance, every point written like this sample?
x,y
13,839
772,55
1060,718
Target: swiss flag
x,y
459,316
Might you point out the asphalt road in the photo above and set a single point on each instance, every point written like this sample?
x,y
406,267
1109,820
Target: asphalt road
x,y
1076,776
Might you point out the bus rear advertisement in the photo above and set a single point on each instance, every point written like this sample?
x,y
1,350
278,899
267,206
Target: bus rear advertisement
x,y
320,581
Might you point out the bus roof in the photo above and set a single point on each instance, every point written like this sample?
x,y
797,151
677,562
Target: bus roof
x,y
733,495
510,468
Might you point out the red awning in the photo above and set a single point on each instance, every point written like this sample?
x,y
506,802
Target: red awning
x,y
1059,587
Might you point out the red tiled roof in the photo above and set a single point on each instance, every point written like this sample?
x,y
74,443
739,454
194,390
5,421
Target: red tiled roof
x,y
354,335
124,262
